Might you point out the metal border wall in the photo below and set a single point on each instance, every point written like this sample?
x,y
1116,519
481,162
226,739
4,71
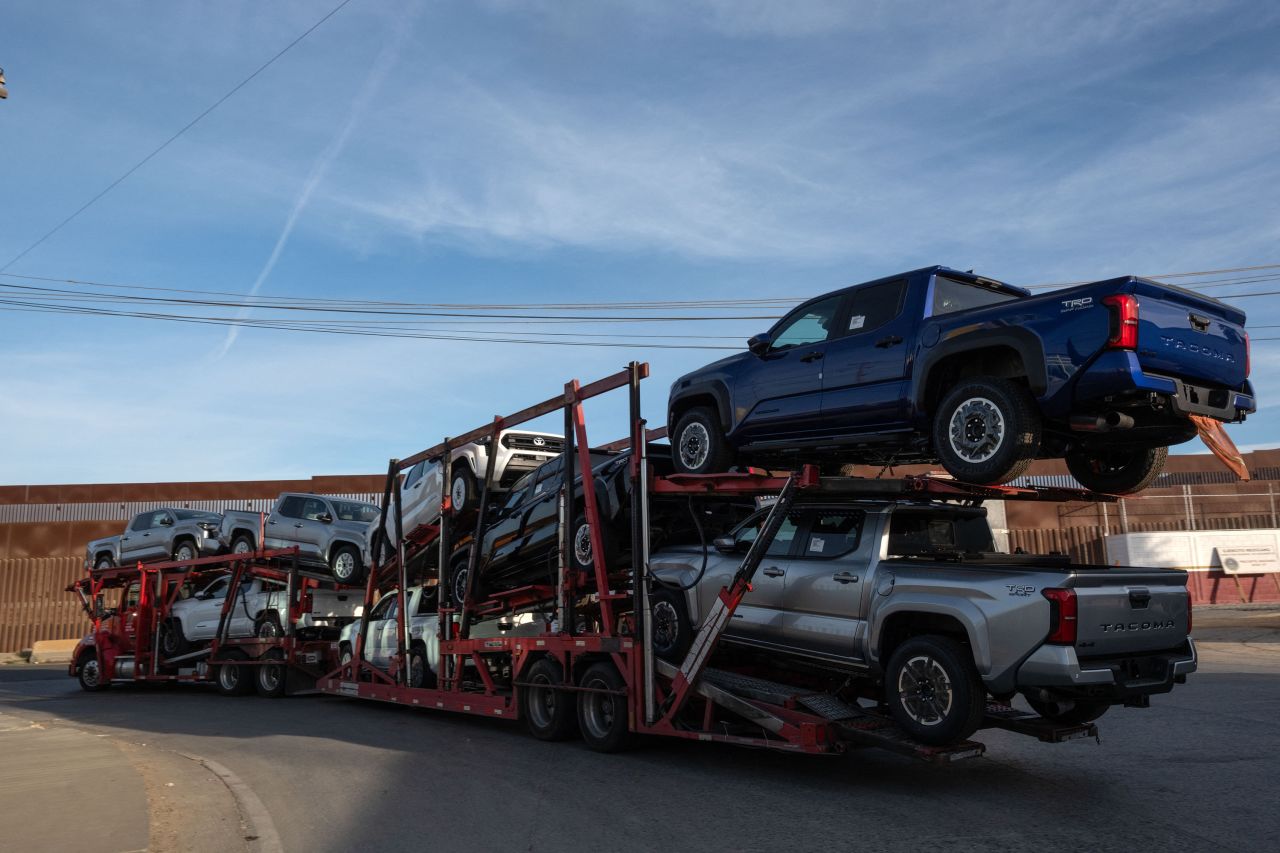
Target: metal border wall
x,y
34,604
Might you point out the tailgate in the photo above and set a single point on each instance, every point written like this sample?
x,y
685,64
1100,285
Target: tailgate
x,y
1189,336
1128,611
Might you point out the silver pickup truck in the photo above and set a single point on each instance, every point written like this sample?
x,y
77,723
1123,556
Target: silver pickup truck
x,y
327,530
910,601
167,533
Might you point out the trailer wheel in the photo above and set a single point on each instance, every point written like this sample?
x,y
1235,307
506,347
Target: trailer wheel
x,y
345,565
1118,471
89,672
699,443
602,716
271,676
1071,712
933,690
462,491
242,544
987,430
548,713
672,632
234,679
173,642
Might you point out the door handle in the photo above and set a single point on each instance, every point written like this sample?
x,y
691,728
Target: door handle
x,y
773,572
888,341
844,577
813,356
270,522
299,524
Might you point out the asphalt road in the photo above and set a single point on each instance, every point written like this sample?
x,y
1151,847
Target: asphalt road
x,y
1196,771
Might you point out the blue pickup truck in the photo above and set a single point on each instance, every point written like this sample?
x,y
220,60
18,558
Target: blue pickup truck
x,y
938,365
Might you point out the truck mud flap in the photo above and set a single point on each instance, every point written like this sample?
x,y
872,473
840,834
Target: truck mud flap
x,y
1010,719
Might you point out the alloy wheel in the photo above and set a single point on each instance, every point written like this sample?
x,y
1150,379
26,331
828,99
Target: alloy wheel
x,y
977,429
695,444
924,689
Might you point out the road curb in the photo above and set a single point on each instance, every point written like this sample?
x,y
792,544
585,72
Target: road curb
x,y
263,829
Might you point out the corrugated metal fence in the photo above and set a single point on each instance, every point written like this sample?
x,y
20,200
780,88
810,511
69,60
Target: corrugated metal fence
x,y
34,603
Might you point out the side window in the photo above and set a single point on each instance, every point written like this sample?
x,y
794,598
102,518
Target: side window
x,y
832,534
383,607
549,478
290,507
131,597
781,544
425,600
518,491
313,508
810,325
873,306
158,518
217,589
142,522
415,474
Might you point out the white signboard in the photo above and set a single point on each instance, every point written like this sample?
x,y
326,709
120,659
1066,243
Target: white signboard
x,y
1235,552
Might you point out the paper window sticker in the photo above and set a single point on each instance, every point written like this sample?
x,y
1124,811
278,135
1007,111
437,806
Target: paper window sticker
x,y
537,490
816,544
857,321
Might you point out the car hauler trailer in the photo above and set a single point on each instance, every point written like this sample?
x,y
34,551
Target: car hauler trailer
x,y
590,668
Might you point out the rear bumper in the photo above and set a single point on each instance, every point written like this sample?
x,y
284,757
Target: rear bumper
x,y
1059,669
1117,373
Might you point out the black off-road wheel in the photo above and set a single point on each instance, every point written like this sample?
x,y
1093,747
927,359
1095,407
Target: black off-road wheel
x,y
933,690
1071,712
233,678
420,674
699,445
458,578
346,566
548,713
602,709
89,672
1118,471
672,631
987,430
173,642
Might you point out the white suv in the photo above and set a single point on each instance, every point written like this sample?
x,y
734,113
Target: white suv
x,y
519,452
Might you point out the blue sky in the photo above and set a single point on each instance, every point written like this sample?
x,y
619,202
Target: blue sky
x,y
499,152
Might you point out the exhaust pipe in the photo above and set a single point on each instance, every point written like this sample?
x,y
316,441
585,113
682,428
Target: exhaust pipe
x,y
1101,423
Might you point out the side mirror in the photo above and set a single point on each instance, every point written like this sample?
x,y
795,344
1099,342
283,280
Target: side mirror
x,y
325,517
167,521
725,544
759,344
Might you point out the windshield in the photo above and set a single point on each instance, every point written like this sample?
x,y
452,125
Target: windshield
x,y
355,511
951,295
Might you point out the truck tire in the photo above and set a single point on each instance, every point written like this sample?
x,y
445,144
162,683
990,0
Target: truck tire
x,y
1071,712
672,631
268,625
462,491
699,445
345,655
584,551
933,690
1118,471
458,577
420,674
185,550
987,430
104,562
173,642
270,677
549,714
89,672
242,544
602,716
233,679
345,565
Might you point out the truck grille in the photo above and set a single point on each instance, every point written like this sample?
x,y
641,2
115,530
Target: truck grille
x,y
523,441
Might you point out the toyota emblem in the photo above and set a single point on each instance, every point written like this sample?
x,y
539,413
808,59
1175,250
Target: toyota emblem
x,y
539,441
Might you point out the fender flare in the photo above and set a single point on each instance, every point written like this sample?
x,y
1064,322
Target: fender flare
x,y
714,388
335,544
964,612
1023,341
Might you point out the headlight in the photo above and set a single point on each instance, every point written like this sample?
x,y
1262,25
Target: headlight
x,y
208,526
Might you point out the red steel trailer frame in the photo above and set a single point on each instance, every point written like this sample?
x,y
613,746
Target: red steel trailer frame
x,y
605,664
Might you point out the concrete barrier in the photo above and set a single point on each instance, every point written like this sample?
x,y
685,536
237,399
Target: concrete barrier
x,y
52,651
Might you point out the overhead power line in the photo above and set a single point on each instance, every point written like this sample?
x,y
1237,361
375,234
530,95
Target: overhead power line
x,y
162,146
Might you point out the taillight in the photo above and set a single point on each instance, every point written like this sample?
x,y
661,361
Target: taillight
x,y
1062,616
1124,321
1188,611
1247,356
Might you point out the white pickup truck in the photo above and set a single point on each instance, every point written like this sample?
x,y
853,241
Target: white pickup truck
x,y
260,610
